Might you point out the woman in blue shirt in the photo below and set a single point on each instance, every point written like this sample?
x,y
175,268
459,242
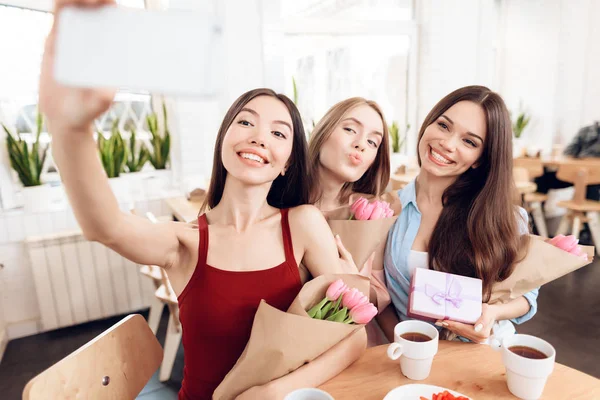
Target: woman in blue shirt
x,y
458,215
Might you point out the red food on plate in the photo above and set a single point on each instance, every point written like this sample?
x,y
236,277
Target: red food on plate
x,y
445,395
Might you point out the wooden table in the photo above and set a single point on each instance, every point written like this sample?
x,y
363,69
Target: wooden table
x,y
472,369
183,209
557,161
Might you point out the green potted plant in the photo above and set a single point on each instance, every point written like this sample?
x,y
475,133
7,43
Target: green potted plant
x,y
518,126
397,140
138,154
113,154
160,146
27,160
160,142
137,157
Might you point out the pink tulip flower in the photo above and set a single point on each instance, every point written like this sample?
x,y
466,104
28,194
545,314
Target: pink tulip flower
x,y
360,202
336,289
379,211
363,314
353,298
569,244
363,213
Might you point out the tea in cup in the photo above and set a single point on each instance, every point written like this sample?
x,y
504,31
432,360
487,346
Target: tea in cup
x,y
529,361
415,344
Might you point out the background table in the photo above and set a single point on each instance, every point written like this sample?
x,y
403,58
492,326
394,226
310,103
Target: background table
x,y
183,209
472,369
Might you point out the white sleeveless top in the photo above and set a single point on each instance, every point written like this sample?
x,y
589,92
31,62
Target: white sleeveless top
x,y
417,259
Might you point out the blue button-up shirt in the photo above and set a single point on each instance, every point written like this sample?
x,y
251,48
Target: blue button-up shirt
x,y
400,241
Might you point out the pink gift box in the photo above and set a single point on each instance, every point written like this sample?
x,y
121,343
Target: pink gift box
x,y
438,295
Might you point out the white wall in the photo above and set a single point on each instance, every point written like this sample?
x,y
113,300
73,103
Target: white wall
x,y
543,53
529,66
551,62
456,48
196,122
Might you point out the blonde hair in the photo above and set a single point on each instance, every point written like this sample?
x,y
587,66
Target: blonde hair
x,y
374,180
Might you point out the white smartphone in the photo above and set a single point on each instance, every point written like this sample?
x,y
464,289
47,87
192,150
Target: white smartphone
x,y
168,52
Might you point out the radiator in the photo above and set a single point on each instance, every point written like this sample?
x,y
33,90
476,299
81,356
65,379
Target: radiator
x,y
78,281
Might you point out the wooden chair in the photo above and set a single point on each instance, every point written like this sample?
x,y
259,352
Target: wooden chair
x,y
579,210
116,365
533,201
165,295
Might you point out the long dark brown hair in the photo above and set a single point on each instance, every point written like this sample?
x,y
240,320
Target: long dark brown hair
x,y
289,190
374,180
477,233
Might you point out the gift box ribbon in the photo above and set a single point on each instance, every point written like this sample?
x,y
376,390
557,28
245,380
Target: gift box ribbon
x,y
452,293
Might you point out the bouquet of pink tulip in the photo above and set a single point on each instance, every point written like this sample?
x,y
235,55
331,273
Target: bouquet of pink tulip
x,y
363,226
544,261
570,244
355,306
363,210
281,342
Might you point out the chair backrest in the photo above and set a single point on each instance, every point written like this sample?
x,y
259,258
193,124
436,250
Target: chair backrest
x,y
534,166
581,173
116,365
520,174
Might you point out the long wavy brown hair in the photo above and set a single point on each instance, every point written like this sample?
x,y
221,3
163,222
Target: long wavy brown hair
x,y
374,180
289,190
477,233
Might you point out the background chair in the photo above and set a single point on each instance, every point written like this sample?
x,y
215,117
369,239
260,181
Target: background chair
x,y
533,201
579,209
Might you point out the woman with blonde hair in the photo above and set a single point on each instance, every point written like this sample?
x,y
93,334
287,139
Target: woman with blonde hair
x,y
349,157
348,154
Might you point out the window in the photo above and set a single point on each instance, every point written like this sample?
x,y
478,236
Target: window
x,y
23,31
335,49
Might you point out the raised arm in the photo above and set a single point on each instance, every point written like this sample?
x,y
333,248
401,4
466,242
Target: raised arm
x,y
70,113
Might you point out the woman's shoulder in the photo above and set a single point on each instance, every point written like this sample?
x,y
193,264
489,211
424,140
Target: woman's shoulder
x,y
307,221
305,212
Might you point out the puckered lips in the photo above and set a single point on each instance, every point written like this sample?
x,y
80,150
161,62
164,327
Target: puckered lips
x,y
355,158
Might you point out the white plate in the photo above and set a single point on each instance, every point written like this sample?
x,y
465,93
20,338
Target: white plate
x,y
413,391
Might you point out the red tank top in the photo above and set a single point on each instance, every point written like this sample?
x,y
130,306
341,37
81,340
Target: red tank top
x,y
217,309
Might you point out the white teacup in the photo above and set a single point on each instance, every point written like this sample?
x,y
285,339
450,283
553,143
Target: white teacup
x,y
526,377
415,357
308,394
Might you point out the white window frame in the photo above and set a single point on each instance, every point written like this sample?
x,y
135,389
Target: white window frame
x,y
314,26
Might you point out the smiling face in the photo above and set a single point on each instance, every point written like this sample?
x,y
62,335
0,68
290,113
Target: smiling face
x,y
258,144
455,141
352,146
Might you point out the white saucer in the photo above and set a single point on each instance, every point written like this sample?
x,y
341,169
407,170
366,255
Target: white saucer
x,y
413,391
